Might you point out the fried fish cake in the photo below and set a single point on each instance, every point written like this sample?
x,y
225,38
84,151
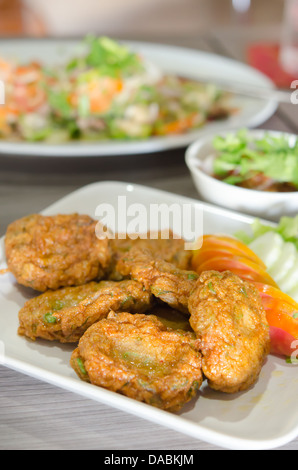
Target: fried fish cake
x,y
65,314
169,249
230,323
138,356
49,252
166,282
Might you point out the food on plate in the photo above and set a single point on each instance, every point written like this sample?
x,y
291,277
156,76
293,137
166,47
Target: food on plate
x,y
48,252
138,356
222,253
166,282
65,314
282,316
277,246
171,249
104,92
266,164
243,267
222,245
228,318
281,259
37,317
146,324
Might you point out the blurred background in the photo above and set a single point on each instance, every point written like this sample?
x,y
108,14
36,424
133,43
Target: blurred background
x,y
133,17
254,31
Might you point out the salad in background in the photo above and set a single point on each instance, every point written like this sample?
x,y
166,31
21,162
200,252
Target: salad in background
x,y
267,164
109,92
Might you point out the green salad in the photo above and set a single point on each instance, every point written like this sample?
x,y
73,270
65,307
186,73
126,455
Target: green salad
x,y
106,91
266,164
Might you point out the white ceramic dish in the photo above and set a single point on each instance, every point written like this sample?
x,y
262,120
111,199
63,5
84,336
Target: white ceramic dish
x,y
180,61
264,417
271,205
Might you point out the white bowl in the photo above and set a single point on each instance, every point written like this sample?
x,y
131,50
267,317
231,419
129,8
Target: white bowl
x,y
268,205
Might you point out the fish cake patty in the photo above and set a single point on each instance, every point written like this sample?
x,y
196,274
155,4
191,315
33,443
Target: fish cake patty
x,y
166,282
170,249
138,356
230,323
65,314
49,252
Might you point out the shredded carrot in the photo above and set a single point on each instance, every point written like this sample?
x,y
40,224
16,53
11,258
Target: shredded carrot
x,y
179,126
100,93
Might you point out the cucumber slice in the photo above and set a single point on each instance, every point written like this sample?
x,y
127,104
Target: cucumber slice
x,y
268,247
284,263
290,281
294,293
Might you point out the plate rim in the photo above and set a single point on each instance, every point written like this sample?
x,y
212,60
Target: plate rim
x,y
151,145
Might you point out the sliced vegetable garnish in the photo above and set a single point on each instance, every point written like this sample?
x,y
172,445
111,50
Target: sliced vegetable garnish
x,y
268,246
220,245
282,316
243,267
287,228
272,294
278,248
282,342
221,253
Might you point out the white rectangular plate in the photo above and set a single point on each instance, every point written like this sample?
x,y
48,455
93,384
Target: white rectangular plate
x,y
264,417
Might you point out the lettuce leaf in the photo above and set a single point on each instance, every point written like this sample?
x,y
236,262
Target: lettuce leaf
x,y
240,155
287,229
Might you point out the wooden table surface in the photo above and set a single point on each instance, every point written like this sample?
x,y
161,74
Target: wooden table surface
x,y
36,415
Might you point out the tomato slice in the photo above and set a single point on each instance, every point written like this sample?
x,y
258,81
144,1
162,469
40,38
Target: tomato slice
x,y
283,321
206,253
243,267
282,343
280,312
224,245
178,126
222,253
276,299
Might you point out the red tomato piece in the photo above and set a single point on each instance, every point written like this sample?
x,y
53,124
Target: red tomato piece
x,y
243,267
226,245
282,343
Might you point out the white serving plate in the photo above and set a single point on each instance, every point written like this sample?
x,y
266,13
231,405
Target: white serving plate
x,y
264,417
181,61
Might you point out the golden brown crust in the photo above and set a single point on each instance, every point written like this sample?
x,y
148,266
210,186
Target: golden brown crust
x,y
49,252
170,249
64,315
233,334
36,318
116,296
166,282
138,356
